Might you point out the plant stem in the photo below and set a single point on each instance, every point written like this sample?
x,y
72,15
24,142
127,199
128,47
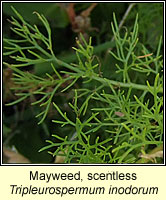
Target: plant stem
x,y
106,81
120,84
122,22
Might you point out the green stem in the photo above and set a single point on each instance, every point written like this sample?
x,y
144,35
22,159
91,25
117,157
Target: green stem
x,y
64,64
106,82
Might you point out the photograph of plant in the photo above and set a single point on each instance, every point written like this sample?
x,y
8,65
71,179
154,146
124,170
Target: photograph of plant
x,y
83,83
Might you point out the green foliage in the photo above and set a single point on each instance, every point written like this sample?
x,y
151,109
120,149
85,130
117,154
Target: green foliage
x,y
112,121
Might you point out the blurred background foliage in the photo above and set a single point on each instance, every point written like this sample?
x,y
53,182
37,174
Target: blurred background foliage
x,y
20,132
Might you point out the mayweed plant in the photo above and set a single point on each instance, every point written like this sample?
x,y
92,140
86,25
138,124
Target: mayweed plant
x,y
113,119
